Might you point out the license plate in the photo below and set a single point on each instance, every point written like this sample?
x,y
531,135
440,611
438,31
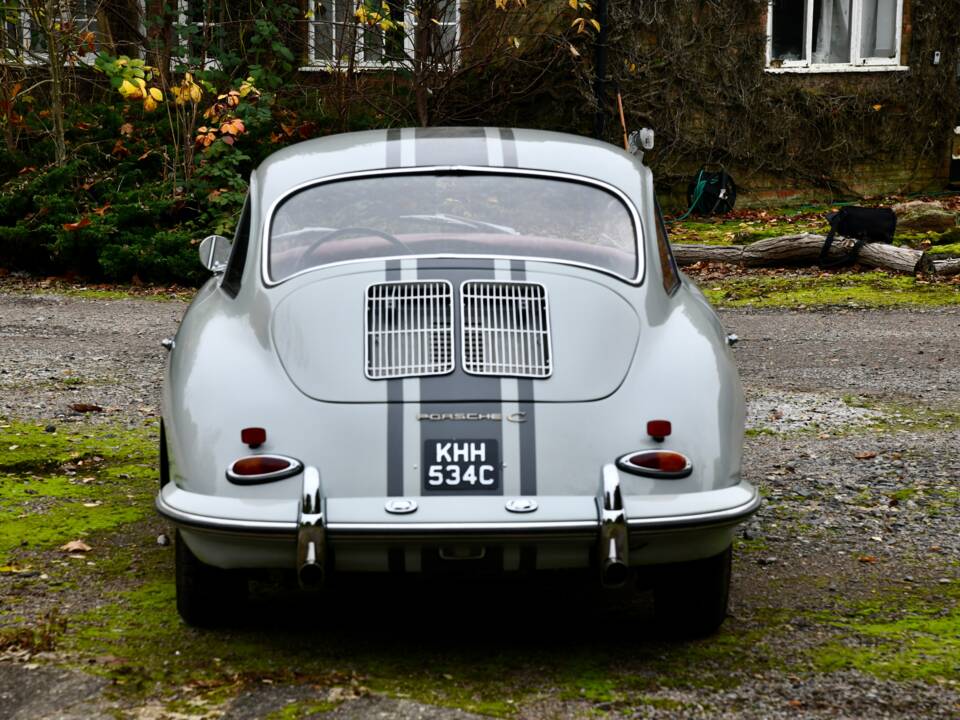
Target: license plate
x,y
461,466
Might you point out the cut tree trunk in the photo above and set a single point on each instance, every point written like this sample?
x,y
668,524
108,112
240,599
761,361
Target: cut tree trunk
x,y
805,249
947,267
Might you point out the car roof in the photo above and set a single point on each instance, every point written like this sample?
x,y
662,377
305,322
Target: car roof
x,y
373,150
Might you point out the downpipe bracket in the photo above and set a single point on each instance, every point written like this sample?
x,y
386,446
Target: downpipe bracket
x,y
311,532
613,548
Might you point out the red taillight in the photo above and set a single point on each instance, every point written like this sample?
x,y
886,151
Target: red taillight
x,y
659,429
253,436
262,468
656,463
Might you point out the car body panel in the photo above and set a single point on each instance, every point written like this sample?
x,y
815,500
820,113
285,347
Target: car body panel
x,y
288,357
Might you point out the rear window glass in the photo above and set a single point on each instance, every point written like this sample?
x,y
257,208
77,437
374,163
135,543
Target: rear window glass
x,y
452,213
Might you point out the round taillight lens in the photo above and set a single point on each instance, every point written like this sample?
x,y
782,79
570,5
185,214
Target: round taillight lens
x,y
262,468
656,463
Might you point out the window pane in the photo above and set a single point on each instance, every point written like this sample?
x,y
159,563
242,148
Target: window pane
x,y
471,214
831,31
372,44
878,35
788,30
446,39
344,31
323,31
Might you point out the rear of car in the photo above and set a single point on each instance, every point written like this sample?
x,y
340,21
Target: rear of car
x,y
460,349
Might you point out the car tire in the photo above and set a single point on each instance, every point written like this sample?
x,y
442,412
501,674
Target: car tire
x,y
207,596
164,458
690,598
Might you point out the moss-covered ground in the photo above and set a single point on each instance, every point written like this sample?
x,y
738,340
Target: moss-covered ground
x,y
489,649
872,289
776,288
903,635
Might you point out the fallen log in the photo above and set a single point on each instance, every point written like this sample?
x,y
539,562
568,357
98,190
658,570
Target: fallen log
x,y
947,267
805,249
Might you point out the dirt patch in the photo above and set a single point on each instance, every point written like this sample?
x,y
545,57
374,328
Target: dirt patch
x,y
840,580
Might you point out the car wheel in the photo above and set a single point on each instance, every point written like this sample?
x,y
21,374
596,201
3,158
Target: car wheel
x,y
690,598
206,595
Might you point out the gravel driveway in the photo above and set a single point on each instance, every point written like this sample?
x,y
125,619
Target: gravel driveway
x,y
853,438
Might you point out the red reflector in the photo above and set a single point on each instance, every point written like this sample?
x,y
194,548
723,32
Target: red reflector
x,y
260,465
659,429
254,437
656,463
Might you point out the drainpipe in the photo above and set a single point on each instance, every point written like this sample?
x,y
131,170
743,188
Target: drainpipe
x,y
600,119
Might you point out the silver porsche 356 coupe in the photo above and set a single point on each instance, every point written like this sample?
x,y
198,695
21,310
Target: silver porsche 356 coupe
x,y
442,348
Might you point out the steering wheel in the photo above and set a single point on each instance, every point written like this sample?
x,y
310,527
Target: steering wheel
x,y
347,232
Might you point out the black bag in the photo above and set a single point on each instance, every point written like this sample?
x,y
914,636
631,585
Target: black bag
x,y
712,191
863,225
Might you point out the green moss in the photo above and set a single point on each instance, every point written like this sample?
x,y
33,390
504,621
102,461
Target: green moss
x,y
63,485
909,636
871,289
946,249
742,232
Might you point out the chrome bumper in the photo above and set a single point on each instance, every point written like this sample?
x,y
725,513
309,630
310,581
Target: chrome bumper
x,y
612,520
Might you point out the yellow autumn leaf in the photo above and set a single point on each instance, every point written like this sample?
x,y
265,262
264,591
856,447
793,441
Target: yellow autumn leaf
x,y
128,89
149,104
877,107
573,4
156,94
195,93
595,23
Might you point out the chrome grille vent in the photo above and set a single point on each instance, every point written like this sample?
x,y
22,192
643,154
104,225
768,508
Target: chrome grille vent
x,y
409,329
506,329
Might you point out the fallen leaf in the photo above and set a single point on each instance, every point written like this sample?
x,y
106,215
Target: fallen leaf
x,y
76,546
869,559
865,455
85,408
101,211
126,129
81,223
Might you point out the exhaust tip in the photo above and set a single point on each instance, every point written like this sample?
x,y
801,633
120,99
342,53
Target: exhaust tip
x,y
615,574
310,575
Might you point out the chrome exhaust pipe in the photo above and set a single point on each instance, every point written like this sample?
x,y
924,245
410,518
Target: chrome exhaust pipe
x,y
311,533
614,547
615,571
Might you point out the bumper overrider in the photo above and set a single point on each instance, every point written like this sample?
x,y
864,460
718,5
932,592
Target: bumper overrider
x,y
623,527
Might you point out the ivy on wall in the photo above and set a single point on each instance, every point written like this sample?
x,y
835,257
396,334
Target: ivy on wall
x,y
694,71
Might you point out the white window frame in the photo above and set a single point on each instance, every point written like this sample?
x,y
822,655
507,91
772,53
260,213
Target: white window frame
x,y
24,54
856,63
314,63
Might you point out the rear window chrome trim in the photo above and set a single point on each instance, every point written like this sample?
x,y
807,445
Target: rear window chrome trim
x,y
637,279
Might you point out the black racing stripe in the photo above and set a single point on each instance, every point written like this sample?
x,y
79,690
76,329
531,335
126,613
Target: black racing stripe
x,y
509,147
393,147
434,147
458,391
528,429
394,417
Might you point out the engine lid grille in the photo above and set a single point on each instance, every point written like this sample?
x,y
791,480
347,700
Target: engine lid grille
x,y
408,329
506,329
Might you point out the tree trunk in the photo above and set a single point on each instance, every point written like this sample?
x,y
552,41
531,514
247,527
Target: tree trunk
x,y
50,23
804,249
947,267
